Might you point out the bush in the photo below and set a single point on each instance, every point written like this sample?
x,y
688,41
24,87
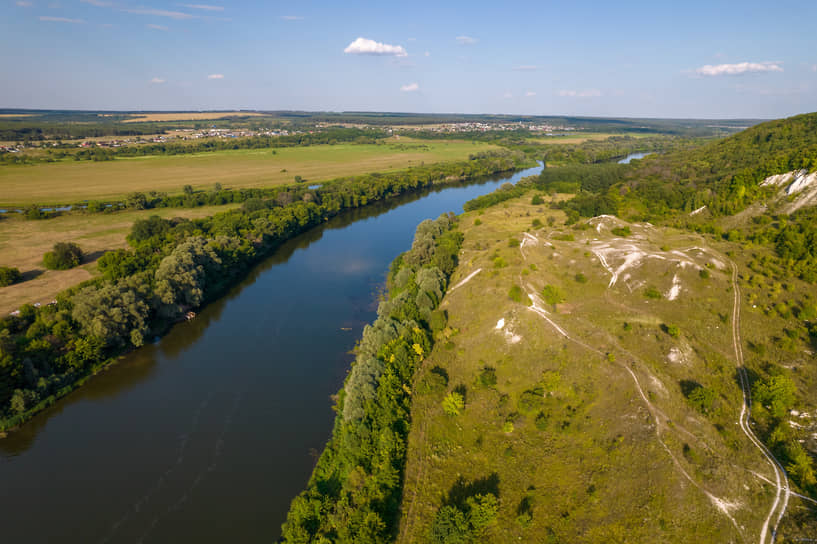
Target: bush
x,y
673,331
653,293
537,200
515,294
453,404
778,394
552,294
64,256
704,273
487,377
621,231
9,276
536,223
513,242
581,278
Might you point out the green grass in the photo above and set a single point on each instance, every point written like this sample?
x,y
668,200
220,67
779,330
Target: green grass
x,y
73,181
561,429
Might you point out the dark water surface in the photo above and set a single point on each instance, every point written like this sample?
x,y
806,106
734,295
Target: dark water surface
x,y
207,435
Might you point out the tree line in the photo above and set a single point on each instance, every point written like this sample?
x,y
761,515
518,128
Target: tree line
x,y
173,266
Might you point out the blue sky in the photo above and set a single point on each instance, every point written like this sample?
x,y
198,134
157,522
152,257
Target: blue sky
x,y
642,59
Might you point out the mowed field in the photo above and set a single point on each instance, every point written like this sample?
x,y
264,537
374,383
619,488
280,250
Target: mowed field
x,y
189,116
74,181
23,243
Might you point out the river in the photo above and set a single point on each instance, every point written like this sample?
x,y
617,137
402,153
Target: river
x,y
208,434
632,157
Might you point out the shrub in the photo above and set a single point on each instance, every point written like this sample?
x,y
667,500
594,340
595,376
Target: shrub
x,y
536,224
653,293
9,276
453,404
704,273
515,294
487,377
537,200
777,394
477,221
552,294
702,399
673,331
513,242
621,231
581,278
541,421
499,262
64,256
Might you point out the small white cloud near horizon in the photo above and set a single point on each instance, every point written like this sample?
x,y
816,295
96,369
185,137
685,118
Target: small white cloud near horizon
x,y
97,3
24,4
530,93
157,80
525,68
508,94
205,7
466,40
61,20
814,67
364,46
739,68
158,27
291,17
427,54
588,93
215,76
410,88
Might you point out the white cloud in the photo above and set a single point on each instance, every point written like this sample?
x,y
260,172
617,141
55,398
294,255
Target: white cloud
x,y
466,40
507,95
23,4
61,20
291,17
588,93
157,27
814,67
737,69
427,53
363,46
160,13
525,68
97,3
215,76
157,80
204,7
410,88
530,93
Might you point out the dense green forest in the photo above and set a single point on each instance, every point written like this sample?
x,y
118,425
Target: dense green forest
x,y
355,490
173,266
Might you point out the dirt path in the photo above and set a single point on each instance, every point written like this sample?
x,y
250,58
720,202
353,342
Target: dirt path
x,y
466,280
746,414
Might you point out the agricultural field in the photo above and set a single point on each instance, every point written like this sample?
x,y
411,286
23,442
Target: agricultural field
x,y
73,181
188,116
588,378
23,243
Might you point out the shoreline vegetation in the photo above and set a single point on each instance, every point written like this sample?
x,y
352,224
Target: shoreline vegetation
x,y
356,488
174,266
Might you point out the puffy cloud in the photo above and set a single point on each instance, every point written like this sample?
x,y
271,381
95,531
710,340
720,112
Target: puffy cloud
x,y
215,76
24,4
291,17
157,27
410,88
61,20
427,53
525,68
507,95
97,3
530,93
466,40
157,80
588,93
737,69
204,7
363,46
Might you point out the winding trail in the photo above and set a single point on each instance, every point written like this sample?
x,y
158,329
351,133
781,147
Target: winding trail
x,y
745,416
466,280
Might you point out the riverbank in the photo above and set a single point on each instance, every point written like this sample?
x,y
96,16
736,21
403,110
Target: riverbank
x,y
152,317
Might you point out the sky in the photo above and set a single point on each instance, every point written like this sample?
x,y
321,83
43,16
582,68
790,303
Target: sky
x,y
690,59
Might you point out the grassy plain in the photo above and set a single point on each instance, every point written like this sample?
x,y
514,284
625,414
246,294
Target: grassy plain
x,y
72,181
23,243
584,432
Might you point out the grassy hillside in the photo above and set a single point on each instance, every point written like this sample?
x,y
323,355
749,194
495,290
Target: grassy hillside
x,y
606,409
